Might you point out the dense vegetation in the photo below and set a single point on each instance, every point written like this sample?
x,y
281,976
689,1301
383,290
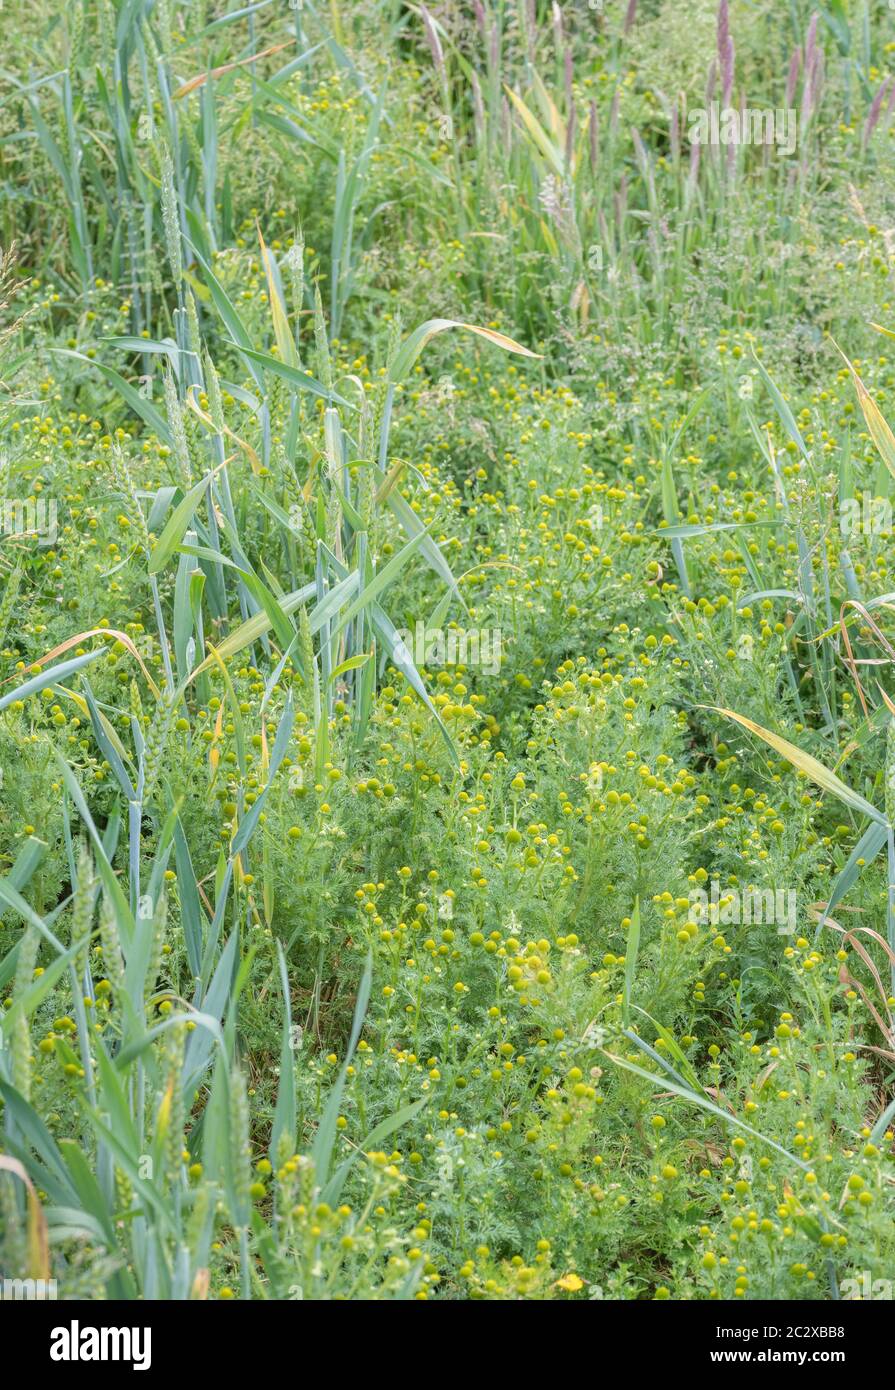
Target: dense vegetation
x,y
448,780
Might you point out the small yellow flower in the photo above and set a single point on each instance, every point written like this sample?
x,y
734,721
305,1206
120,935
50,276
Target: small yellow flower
x,y
571,1283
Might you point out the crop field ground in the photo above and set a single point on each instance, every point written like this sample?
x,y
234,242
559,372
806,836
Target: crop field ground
x,y
447,631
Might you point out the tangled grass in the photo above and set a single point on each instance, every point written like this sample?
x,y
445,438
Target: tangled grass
x,y
448,769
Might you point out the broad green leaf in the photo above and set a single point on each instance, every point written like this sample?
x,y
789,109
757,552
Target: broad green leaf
x,y
178,521
783,410
50,675
302,380
138,404
824,778
666,1084
880,432
410,349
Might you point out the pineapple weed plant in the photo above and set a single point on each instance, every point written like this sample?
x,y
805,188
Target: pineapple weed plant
x,y
336,968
